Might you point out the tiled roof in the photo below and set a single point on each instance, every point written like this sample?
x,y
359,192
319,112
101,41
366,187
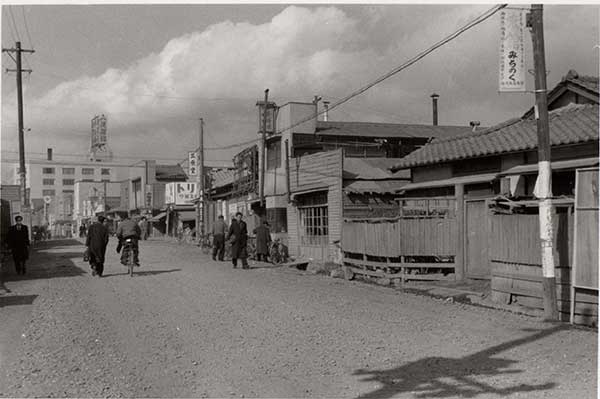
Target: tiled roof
x,y
222,177
372,169
170,172
574,123
587,82
387,129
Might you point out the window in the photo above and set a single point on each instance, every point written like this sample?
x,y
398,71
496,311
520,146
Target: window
x,y
50,193
277,218
87,180
68,171
68,182
274,154
106,179
48,171
48,182
314,219
68,191
105,171
87,171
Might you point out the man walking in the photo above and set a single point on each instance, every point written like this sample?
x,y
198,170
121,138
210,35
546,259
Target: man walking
x,y
218,230
263,239
96,242
238,234
18,242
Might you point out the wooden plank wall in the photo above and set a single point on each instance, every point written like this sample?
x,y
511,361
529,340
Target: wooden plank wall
x,y
320,170
586,251
515,258
402,237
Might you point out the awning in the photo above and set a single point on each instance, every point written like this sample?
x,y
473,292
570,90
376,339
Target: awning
x,y
157,218
558,165
473,179
307,190
186,215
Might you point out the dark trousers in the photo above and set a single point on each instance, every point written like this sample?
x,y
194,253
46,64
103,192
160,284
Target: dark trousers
x,y
244,262
218,247
19,263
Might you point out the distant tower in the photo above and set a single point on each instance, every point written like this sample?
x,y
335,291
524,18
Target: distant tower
x,y
99,150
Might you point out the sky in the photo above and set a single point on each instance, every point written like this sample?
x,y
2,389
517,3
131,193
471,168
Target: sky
x,y
154,70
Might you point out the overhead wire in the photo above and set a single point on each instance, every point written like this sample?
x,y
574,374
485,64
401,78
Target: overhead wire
x,y
27,27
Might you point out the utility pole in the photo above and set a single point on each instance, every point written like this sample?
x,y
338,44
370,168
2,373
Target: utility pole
x,y
263,151
18,50
104,199
200,181
287,169
544,180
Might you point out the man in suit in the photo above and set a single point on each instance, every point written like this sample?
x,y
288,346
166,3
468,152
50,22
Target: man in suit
x,y
18,242
238,234
96,242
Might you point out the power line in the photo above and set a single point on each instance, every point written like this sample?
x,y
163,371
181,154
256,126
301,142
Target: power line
x,y
12,33
13,21
405,65
27,27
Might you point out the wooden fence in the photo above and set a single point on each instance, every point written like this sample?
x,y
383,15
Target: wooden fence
x,y
515,257
406,248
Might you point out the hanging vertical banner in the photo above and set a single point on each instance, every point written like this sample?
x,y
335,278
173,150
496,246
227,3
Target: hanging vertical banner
x,y
512,62
192,163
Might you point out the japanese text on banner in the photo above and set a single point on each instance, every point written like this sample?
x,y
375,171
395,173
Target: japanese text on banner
x,y
512,63
192,163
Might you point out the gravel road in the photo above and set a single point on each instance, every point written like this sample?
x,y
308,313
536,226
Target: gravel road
x,y
186,326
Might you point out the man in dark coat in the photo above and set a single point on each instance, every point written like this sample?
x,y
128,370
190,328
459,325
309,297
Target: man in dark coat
x,y
238,234
96,242
263,239
218,230
18,242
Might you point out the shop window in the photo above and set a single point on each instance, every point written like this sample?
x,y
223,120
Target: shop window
x,y
277,218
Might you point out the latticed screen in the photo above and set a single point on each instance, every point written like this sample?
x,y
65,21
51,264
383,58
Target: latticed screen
x,y
314,220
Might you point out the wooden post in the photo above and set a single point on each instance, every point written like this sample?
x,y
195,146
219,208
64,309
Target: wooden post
x,y
544,181
459,257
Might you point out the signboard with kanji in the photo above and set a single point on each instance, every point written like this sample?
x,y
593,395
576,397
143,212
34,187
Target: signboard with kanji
x,y
181,193
512,54
192,163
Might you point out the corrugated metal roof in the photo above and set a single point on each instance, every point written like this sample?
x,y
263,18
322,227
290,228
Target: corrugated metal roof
x,y
372,168
368,129
572,124
374,186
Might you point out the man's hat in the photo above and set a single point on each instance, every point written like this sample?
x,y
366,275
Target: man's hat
x,y
18,218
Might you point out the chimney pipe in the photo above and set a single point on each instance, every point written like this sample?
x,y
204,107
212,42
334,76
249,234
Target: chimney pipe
x,y
474,124
49,154
326,113
434,100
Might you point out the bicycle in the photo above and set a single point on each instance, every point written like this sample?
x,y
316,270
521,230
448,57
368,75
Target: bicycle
x,y
127,257
206,243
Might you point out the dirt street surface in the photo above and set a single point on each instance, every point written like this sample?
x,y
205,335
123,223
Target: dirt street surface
x,y
186,326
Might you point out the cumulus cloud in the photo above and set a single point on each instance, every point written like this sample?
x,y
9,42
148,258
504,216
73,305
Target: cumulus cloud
x,y
153,104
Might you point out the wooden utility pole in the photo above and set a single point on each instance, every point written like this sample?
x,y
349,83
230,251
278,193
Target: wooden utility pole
x,y
18,50
544,181
263,150
200,181
287,169
104,199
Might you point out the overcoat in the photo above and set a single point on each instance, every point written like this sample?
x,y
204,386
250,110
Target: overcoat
x,y
263,238
238,234
96,241
18,242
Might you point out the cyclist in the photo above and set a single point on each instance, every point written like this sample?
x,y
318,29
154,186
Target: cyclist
x,y
128,228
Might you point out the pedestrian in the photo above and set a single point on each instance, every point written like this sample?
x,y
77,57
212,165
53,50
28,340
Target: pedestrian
x,y
144,228
219,229
96,242
18,242
263,241
238,234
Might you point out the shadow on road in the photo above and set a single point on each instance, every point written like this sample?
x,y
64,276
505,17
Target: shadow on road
x,y
442,377
11,300
49,259
143,273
